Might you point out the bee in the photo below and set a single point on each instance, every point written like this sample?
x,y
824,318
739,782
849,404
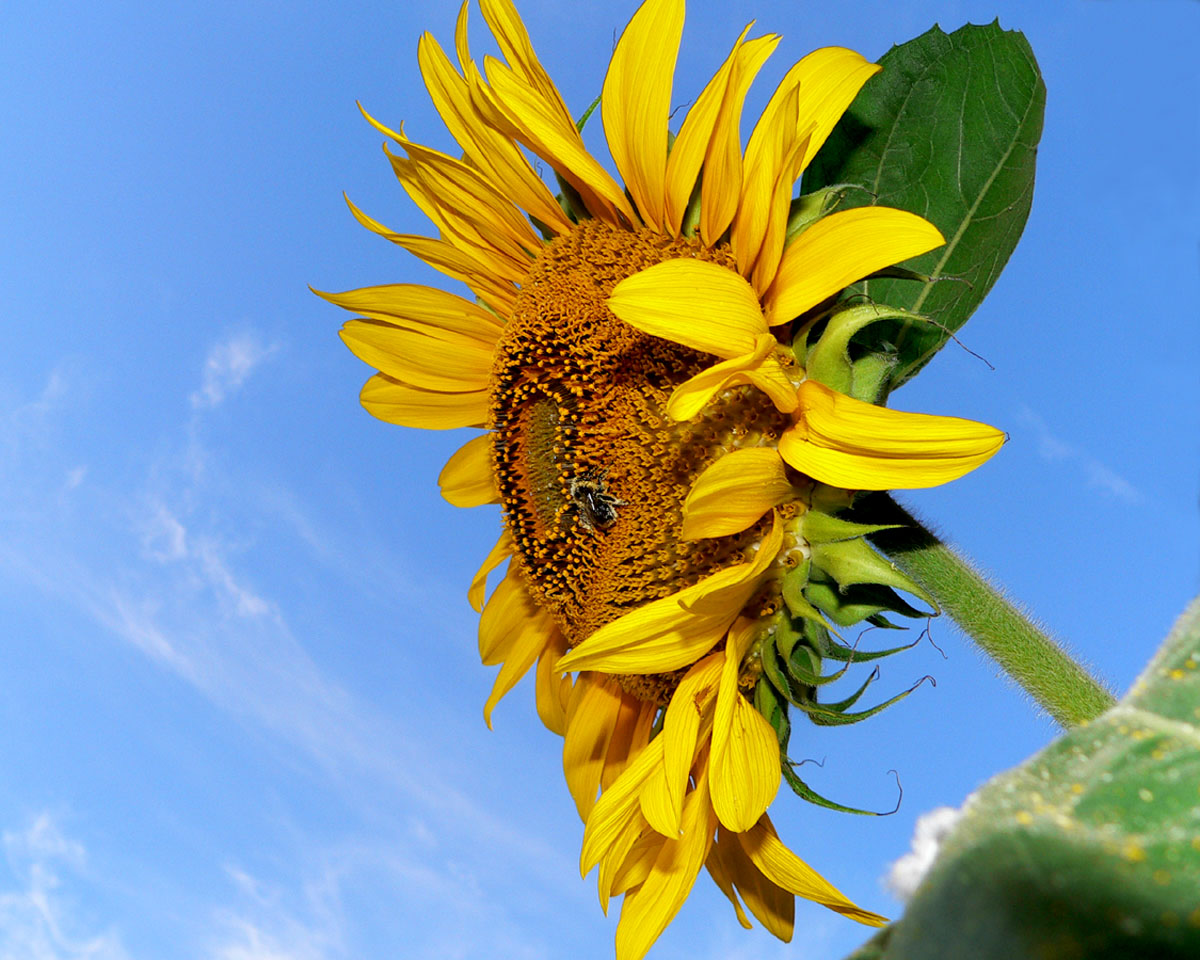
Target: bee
x,y
596,506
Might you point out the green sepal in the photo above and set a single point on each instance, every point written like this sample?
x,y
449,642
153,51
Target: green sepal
x,y
587,115
817,526
569,200
850,605
824,715
872,373
800,650
851,562
829,361
805,792
792,589
545,231
774,710
775,674
808,208
842,651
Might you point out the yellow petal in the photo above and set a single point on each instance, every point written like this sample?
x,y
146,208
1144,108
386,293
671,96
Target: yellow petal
x,y
841,248
702,305
774,907
744,766
636,103
612,812
493,154
636,865
760,368
828,80
721,187
720,876
682,725
513,40
436,313
534,637
431,362
620,742
591,714
784,868
496,556
734,492
676,630
466,479
860,446
496,292
692,143
627,860
648,908
507,609
401,403
553,689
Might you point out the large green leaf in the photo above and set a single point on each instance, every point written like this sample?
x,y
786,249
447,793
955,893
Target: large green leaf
x,y
1091,849
948,130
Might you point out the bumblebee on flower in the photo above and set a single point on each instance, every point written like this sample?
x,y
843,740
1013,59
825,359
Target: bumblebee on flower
x,y
658,372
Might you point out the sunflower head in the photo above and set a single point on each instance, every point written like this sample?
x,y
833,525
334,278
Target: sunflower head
x,y
673,418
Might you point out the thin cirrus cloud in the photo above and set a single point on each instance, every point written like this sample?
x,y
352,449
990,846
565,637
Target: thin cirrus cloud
x,y
227,367
1097,474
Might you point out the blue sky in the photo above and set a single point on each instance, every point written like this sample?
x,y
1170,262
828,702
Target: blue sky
x,y
238,678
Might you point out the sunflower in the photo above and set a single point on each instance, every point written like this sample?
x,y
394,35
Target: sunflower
x,y
660,445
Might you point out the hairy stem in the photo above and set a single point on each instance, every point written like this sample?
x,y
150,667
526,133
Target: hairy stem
x,y
1034,660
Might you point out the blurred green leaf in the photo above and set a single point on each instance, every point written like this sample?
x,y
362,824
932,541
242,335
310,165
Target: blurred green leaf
x,y
948,130
1088,851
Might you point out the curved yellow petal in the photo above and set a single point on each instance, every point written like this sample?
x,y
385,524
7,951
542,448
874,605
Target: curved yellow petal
x,y
860,446
721,187
721,877
637,863
591,715
496,556
620,741
612,812
636,103
676,630
760,368
401,403
702,305
513,39
841,248
535,636
694,138
455,366
625,861
744,766
466,480
650,906
428,310
828,79
734,492
553,689
682,729
774,907
784,868
491,152
507,610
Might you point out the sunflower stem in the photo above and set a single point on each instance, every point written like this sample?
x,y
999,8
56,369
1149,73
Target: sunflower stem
x,y
1029,656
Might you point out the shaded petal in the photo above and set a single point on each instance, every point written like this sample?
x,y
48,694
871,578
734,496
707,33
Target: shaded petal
x,y
860,446
744,765
774,907
612,812
720,191
553,689
466,480
434,363
828,80
676,630
649,907
701,305
535,636
760,368
841,248
496,556
784,868
401,403
734,492
721,877
436,313
636,865
591,715
508,608
636,103
620,742
627,860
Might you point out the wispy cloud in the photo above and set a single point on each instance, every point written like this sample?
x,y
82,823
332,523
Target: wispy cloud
x,y
37,921
1095,473
228,365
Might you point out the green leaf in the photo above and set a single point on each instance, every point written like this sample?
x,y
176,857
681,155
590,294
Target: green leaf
x,y
948,130
1090,849
805,792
